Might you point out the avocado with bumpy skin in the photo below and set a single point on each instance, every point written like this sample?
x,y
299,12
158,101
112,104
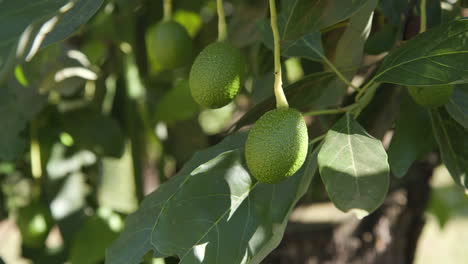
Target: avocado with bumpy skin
x,y
169,45
277,145
217,74
431,96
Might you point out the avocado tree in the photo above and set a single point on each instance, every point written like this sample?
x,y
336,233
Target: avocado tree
x,y
188,131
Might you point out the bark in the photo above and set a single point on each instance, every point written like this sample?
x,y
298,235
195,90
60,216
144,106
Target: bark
x,y
387,236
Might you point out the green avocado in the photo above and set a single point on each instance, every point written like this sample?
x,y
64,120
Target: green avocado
x,y
169,44
277,145
431,96
217,74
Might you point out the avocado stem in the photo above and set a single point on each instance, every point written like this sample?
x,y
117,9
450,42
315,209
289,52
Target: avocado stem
x,y
281,100
167,10
423,16
222,28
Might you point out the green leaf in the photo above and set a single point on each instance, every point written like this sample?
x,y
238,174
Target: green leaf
x,y
457,106
90,242
412,138
452,139
394,10
117,189
212,211
349,53
78,15
435,57
308,46
95,132
16,16
177,104
306,16
354,168
18,105
382,40
301,21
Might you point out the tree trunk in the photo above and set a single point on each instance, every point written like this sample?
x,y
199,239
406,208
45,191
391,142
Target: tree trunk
x,y
387,236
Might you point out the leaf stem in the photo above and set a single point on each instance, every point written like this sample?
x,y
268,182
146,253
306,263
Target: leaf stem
x,y
423,11
363,90
317,139
281,100
338,73
35,151
222,28
331,111
167,10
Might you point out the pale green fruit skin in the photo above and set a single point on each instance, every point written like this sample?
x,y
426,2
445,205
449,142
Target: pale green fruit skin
x,y
431,96
169,45
277,145
217,75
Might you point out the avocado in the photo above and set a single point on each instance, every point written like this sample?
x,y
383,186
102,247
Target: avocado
x,y
169,44
217,75
277,145
431,96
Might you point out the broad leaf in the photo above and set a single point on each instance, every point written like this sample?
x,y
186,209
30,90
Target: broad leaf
x,y
435,57
90,242
394,10
453,144
17,15
412,138
95,132
348,54
212,211
305,16
308,46
18,105
301,21
354,168
458,105
78,15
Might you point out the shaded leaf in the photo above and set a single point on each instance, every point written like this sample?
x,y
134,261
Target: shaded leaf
x,y
78,15
457,106
16,16
349,53
412,138
308,46
212,211
95,132
394,10
305,16
90,242
452,139
435,57
18,105
354,168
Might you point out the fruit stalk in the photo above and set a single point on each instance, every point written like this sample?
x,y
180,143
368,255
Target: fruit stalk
x,y
222,29
423,23
36,167
167,10
281,100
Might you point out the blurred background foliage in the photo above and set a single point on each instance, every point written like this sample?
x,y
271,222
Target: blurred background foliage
x,y
92,124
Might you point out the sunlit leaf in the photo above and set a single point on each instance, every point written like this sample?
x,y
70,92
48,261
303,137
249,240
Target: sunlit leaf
x,y
212,211
354,168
